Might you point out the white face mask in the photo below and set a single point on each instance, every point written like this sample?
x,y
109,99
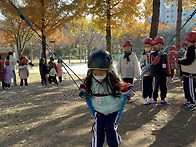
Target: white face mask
x,y
99,78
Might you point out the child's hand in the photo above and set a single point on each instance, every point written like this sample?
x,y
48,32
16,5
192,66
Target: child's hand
x,y
132,93
83,93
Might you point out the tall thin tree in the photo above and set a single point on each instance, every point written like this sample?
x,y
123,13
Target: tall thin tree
x,y
155,19
178,24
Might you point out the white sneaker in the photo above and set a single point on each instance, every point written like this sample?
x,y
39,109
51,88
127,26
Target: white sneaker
x,y
150,100
145,102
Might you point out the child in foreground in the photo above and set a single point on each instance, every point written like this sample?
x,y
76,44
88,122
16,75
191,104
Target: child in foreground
x,y
105,88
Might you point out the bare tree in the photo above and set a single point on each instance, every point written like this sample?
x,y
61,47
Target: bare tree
x,y
16,33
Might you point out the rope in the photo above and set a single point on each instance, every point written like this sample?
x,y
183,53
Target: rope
x,y
88,100
164,50
61,61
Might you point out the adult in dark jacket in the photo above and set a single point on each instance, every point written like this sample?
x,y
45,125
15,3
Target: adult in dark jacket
x,y
43,71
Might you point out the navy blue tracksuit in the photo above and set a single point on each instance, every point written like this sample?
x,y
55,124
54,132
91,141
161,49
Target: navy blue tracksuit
x,y
147,86
105,124
188,65
159,71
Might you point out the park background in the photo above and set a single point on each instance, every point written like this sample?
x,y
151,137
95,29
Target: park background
x,y
55,115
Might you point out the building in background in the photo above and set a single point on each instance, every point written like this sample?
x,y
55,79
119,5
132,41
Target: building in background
x,y
168,14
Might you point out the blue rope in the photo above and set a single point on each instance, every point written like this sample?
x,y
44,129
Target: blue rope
x,y
61,61
88,101
122,108
164,50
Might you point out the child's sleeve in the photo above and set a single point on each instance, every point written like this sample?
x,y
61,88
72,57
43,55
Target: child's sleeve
x,y
125,86
152,57
83,86
84,91
142,62
136,68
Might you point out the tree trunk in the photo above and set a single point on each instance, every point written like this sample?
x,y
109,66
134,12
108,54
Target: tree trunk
x,y
44,47
178,24
42,31
108,28
155,19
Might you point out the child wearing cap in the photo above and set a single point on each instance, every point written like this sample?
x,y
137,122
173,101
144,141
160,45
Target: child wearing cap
x,y
188,65
23,72
105,88
182,50
2,74
52,73
25,59
172,60
147,79
8,75
159,71
127,65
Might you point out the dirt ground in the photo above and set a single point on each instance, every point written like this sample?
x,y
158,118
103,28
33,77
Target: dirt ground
x,y
55,116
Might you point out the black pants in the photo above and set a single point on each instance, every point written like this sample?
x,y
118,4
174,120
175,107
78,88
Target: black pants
x,y
21,82
60,79
172,72
189,89
105,126
147,87
7,85
52,79
44,79
162,83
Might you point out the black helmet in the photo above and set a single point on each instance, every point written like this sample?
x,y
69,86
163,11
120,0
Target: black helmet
x,y
10,53
100,59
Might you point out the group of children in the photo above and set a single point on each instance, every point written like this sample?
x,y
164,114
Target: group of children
x,y
50,71
6,71
105,89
